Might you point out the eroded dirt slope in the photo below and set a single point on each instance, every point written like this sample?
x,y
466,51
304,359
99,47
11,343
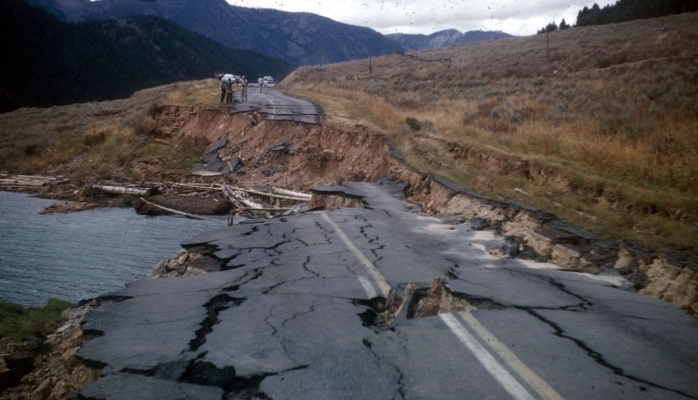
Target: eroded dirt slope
x,y
284,153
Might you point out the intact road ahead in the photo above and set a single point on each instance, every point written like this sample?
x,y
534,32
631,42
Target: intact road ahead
x,y
297,315
276,105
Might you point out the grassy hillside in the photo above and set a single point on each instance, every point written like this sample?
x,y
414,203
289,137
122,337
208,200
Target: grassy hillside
x,y
106,140
55,63
599,127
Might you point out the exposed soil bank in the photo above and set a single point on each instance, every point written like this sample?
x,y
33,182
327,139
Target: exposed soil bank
x,y
305,155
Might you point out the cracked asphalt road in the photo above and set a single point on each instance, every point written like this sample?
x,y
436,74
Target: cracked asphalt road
x,y
296,315
276,105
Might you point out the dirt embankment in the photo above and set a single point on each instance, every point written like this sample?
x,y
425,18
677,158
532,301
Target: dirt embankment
x,y
284,153
299,156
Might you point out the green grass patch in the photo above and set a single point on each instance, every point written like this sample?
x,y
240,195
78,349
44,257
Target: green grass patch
x,y
19,324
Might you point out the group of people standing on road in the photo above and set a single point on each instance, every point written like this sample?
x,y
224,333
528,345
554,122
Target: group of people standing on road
x,y
226,87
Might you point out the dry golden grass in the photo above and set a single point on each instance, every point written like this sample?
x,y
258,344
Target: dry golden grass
x,y
610,113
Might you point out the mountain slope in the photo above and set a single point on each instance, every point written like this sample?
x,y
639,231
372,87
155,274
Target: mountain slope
x,y
444,38
300,38
628,10
56,63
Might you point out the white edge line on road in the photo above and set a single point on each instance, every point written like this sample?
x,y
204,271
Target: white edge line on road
x,y
511,385
537,383
380,280
370,291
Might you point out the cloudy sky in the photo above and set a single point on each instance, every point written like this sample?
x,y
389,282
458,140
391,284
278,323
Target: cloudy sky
x,y
517,17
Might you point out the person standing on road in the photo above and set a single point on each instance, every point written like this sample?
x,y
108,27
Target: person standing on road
x,y
229,92
243,94
261,84
223,88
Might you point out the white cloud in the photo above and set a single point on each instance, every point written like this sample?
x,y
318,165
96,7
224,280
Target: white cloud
x,y
517,17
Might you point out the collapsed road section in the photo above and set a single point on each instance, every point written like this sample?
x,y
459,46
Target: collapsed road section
x,y
384,301
277,106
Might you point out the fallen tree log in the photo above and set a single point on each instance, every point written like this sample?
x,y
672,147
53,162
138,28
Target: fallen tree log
x,y
122,190
249,204
26,180
206,173
272,195
192,216
291,193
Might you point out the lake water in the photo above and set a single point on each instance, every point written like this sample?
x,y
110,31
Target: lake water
x,y
84,254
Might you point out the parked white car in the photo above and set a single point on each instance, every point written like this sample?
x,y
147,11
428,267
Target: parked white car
x,y
268,79
231,78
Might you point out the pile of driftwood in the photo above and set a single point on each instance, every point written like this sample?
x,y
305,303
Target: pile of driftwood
x,y
30,183
264,202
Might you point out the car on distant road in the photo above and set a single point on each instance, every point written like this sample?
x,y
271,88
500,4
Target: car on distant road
x,y
231,78
268,79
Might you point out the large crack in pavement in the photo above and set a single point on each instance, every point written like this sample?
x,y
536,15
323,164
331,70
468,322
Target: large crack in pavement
x,y
439,298
599,357
214,307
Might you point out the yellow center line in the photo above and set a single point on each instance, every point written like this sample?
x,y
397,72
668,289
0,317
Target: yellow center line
x,y
380,280
534,381
488,362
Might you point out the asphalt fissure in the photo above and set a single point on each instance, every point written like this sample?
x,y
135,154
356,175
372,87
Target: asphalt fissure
x,y
214,307
598,357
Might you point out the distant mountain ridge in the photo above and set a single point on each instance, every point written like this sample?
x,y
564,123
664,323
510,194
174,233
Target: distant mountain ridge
x,y
54,63
300,38
444,38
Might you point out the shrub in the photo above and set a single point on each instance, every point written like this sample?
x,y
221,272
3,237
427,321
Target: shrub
x,y
413,123
93,138
154,108
32,149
